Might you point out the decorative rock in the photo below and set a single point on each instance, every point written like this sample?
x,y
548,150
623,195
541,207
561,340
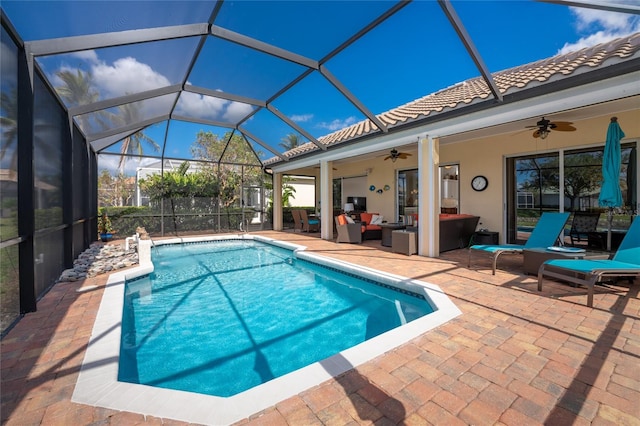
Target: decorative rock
x,y
98,259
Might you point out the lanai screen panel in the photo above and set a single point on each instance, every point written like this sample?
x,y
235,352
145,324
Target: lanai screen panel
x,y
211,108
317,106
238,70
33,19
198,141
416,45
309,28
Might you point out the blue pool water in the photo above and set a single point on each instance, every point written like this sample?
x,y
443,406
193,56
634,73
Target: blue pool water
x,y
222,317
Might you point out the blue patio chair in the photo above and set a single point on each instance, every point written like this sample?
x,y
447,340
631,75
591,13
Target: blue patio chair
x,y
308,224
545,234
588,272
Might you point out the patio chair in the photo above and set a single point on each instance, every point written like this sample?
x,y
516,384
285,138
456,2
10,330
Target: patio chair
x,y
297,220
588,272
347,232
545,234
582,224
308,225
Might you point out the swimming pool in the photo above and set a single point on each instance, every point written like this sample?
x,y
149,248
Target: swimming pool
x,y
222,317
98,384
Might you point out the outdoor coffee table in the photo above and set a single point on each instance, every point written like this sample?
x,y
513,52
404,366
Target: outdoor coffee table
x,y
534,257
387,228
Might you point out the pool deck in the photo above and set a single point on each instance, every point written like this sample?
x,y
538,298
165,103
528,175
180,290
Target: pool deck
x,y
515,356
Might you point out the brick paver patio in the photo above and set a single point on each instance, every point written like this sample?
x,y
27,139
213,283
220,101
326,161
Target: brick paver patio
x,y
515,356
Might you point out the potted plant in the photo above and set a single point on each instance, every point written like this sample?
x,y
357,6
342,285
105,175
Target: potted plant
x,y
104,227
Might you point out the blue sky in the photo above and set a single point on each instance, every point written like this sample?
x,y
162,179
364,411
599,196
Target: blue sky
x,y
412,54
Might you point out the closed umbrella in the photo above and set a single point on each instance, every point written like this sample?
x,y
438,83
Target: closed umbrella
x,y
632,174
610,193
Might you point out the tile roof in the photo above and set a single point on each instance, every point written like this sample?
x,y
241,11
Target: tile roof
x,y
476,90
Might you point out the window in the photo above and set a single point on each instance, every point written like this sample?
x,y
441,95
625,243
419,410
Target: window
x,y
535,183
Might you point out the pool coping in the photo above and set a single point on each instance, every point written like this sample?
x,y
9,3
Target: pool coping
x,y
98,385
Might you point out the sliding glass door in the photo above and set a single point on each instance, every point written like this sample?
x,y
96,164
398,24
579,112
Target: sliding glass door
x,y
535,183
408,196
534,188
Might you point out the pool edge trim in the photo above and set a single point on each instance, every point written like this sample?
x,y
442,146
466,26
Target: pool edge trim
x,y
98,385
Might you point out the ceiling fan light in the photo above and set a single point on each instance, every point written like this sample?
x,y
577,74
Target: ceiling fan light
x,y
544,133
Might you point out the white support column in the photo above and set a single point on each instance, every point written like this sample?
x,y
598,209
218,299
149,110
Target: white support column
x,y
277,202
429,189
326,200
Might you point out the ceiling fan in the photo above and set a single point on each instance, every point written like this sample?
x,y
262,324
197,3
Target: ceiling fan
x,y
545,126
394,155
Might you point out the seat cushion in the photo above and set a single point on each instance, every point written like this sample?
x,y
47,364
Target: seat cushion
x,y
366,217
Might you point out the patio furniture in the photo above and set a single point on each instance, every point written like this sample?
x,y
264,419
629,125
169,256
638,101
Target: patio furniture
x,y
456,230
372,231
347,232
308,224
387,228
545,234
297,220
598,240
534,257
582,224
486,237
625,263
403,241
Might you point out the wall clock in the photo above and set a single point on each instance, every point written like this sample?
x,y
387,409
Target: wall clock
x,y
479,183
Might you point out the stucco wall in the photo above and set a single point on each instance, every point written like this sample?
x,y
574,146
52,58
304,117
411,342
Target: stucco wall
x,y
378,173
487,157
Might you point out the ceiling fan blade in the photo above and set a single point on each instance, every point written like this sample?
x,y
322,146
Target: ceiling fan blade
x,y
404,155
387,157
564,126
536,134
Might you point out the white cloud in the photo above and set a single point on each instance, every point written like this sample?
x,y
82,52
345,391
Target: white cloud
x,y
199,106
208,107
600,26
337,124
301,118
86,55
126,75
110,162
237,111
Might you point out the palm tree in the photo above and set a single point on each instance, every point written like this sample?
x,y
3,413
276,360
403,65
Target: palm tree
x,y
132,144
290,141
78,90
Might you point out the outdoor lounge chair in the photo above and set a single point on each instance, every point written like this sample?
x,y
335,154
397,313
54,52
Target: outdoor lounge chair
x,y
297,220
588,272
545,234
348,232
308,225
582,224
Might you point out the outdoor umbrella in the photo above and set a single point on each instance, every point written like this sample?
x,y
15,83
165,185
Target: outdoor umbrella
x,y
632,174
610,193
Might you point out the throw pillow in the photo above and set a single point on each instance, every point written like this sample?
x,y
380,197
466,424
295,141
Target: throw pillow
x,y
376,219
349,220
